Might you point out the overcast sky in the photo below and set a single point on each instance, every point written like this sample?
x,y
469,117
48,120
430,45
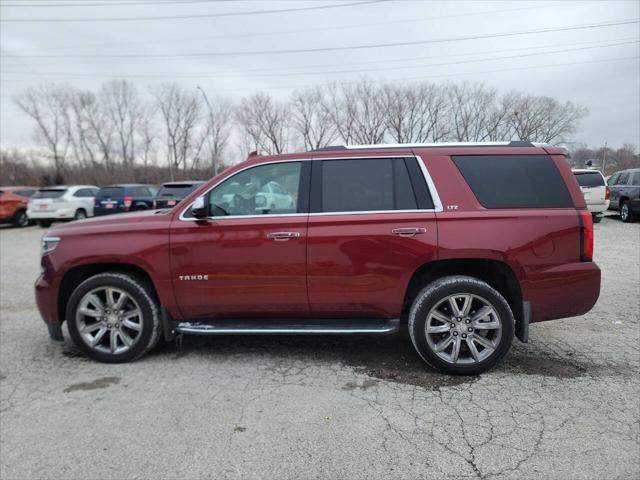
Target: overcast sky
x,y
596,67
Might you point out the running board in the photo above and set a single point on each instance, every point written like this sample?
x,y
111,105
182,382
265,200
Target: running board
x,y
266,326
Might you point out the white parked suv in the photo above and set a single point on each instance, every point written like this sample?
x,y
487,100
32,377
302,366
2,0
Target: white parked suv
x,y
51,204
595,190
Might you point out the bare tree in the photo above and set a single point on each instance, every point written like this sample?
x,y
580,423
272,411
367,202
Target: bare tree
x,y
472,106
180,112
311,118
264,123
415,113
358,112
217,130
123,108
48,106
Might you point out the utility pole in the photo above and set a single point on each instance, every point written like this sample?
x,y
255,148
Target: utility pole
x,y
214,160
604,157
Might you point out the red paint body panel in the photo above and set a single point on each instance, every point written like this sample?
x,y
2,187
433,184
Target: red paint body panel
x,y
10,203
340,265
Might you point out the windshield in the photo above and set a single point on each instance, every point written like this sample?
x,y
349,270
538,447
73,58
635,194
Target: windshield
x,y
50,193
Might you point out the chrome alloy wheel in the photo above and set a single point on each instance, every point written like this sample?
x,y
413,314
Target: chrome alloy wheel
x,y
109,320
463,329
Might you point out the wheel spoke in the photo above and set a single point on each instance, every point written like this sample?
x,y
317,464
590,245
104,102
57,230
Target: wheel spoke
x,y
442,344
456,350
131,313
91,328
132,325
95,301
473,349
440,316
483,341
492,325
126,339
90,312
113,341
438,328
122,300
456,309
480,314
95,340
111,300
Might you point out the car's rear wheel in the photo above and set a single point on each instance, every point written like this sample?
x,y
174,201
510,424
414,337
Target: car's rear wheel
x,y
44,223
114,317
625,213
461,325
80,214
596,218
20,219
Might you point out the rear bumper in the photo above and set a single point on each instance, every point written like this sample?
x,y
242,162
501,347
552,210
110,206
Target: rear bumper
x,y
64,213
565,291
598,207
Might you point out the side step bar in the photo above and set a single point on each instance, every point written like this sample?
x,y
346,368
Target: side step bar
x,y
267,326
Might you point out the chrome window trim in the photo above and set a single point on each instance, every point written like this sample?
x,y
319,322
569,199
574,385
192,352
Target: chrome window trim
x,y
430,185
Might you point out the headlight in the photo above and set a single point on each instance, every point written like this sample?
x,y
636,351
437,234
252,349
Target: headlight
x,y
49,244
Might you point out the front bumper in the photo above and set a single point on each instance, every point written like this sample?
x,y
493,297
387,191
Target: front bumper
x,y
46,292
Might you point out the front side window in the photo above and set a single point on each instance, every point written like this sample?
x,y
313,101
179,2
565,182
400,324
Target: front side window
x,y
252,192
362,185
613,179
635,180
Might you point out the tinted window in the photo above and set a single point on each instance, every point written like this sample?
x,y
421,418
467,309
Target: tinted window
x,y
623,179
81,193
177,191
613,179
25,193
244,193
366,185
49,193
514,181
111,192
590,179
635,179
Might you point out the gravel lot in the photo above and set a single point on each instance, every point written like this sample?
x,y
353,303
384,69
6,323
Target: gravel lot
x,y
564,406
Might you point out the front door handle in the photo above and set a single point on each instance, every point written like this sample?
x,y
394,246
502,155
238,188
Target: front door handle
x,y
409,231
282,236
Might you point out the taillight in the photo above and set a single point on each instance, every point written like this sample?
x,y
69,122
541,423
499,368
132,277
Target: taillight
x,y
586,236
607,192
128,201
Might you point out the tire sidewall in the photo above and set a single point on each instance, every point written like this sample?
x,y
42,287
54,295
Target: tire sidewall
x,y
625,208
19,217
80,214
433,294
136,289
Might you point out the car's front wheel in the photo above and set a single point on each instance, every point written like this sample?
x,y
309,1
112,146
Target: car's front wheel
x,y
114,317
461,325
20,219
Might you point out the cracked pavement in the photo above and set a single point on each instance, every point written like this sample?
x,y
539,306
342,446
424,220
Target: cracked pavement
x,y
564,406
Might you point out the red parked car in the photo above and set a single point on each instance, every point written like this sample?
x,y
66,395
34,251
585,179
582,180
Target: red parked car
x,y
13,205
465,243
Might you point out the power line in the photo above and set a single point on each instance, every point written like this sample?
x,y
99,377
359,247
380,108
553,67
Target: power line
x,y
188,17
334,72
322,28
342,48
109,4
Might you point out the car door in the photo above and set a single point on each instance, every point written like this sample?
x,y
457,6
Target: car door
x,y
372,223
619,188
244,260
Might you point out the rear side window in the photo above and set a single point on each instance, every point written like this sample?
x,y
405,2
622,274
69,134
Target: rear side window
x,y
590,179
623,179
514,181
111,192
177,190
49,193
366,185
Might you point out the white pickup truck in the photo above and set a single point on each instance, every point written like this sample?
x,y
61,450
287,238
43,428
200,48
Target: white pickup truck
x,y
595,191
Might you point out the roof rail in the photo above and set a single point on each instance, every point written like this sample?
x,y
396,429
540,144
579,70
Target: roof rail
x,y
512,143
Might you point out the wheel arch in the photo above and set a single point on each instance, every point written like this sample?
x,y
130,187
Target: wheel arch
x,y
76,275
497,274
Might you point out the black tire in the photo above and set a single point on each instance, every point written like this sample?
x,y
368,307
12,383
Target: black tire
x,y
596,218
20,219
136,288
80,214
44,223
432,295
626,215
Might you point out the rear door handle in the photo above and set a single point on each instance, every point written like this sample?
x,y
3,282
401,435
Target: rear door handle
x,y
409,231
282,236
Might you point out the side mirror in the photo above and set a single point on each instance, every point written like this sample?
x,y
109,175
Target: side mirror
x,y
199,208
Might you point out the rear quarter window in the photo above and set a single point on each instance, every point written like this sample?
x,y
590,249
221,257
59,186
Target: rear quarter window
x,y
514,181
590,179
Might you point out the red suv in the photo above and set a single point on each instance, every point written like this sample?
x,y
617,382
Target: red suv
x,y
465,243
